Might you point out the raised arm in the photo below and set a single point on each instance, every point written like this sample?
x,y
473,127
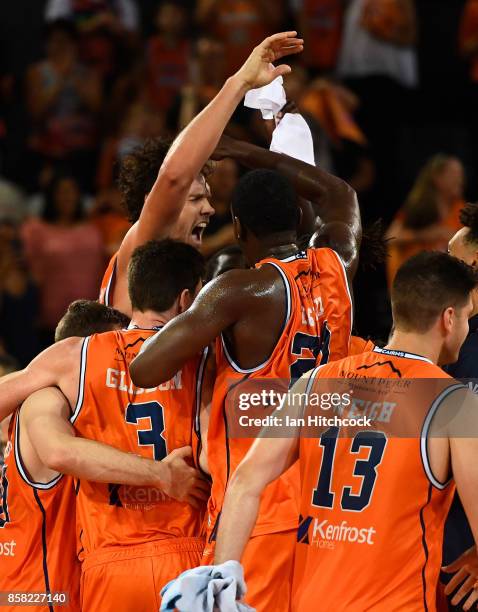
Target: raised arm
x,y
333,200
194,145
48,369
219,304
48,411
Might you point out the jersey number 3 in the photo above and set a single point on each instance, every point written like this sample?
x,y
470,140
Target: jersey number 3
x,y
364,468
154,435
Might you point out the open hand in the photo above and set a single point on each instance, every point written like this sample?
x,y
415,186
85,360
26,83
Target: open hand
x,y
466,568
258,70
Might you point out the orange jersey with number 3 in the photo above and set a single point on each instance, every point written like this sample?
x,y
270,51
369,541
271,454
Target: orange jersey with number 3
x,y
37,532
147,422
372,513
316,329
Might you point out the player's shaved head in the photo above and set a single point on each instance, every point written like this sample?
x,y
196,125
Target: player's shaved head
x,y
159,271
86,317
265,203
425,286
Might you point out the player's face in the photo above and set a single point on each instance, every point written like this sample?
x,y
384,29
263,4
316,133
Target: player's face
x,y
461,249
457,333
195,215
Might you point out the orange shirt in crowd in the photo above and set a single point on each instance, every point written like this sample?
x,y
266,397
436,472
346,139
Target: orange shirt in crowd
x,y
399,253
240,25
468,36
65,261
321,25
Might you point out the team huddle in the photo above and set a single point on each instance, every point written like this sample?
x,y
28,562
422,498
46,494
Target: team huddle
x,y
121,472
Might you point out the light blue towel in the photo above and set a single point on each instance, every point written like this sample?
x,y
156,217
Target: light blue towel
x,y
209,588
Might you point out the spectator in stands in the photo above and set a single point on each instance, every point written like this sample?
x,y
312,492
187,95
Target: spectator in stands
x,y
63,98
18,298
7,366
168,54
108,216
320,24
239,24
431,214
118,16
378,61
65,253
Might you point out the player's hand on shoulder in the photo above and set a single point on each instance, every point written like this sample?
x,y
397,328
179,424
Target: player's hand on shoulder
x,y
183,482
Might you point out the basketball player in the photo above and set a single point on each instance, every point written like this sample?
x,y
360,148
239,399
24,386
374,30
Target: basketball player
x,y
135,539
177,204
372,522
85,317
38,542
278,320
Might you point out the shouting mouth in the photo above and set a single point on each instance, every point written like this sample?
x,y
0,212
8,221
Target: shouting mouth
x,y
198,231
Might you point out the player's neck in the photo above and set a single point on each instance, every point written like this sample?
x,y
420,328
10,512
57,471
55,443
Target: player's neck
x,y
424,345
150,319
279,246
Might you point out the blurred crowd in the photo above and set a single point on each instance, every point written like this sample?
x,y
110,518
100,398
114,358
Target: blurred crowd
x,y
388,87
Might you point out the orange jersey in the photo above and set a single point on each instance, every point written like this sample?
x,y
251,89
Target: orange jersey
x,y
37,531
360,345
316,328
108,282
147,422
372,513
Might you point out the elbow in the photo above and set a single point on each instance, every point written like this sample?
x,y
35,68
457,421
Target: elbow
x,y
174,175
143,375
59,459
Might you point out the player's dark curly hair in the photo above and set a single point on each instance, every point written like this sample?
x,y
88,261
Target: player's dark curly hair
x,y
469,218
373,248
139,171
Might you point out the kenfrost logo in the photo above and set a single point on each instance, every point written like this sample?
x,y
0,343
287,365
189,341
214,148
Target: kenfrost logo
x,y
136,498
324,534
7,549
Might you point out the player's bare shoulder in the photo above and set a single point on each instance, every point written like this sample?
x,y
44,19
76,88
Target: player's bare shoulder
x,y
261,287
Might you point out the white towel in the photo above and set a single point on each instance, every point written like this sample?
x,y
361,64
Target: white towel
x,y
207,589
268,99
293,137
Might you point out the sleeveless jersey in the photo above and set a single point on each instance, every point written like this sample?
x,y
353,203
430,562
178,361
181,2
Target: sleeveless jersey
x,y
146,422
108,282
372,513
317,328
37,532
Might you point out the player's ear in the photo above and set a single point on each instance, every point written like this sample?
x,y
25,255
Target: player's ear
x,y
185,300
448,317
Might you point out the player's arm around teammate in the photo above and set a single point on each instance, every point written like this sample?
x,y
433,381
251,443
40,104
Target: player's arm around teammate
x,y
61,451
